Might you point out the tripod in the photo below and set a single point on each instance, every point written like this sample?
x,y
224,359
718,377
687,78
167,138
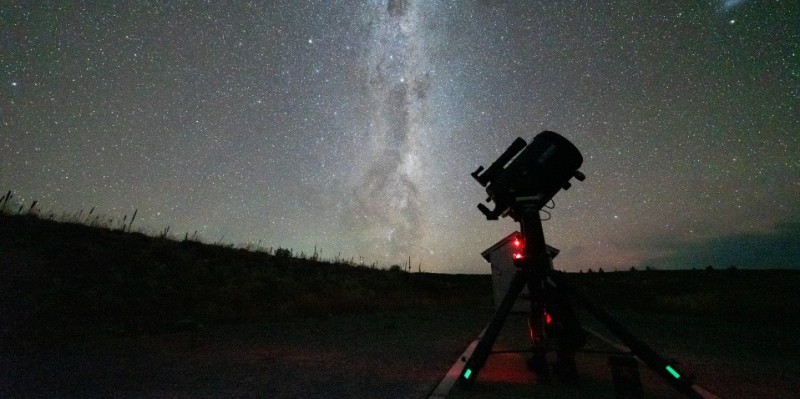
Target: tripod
x,y
534,269
552,290
520,182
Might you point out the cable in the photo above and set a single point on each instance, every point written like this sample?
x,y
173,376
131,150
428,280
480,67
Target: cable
x,y
548,206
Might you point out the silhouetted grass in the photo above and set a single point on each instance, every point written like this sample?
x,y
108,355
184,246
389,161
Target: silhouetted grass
x,y
68,278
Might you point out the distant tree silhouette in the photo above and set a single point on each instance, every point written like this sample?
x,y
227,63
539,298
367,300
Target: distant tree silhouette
x,y
283,253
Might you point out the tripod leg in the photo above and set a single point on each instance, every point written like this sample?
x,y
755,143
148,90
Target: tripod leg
x,y
485,343
537,324
647,355
538,360
569,333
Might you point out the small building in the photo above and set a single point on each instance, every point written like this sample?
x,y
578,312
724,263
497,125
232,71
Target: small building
x,y
500,257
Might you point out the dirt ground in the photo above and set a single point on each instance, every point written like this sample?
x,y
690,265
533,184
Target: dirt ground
x,y
378,356
383,356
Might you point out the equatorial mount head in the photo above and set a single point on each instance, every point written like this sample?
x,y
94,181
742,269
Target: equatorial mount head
x,y
527,176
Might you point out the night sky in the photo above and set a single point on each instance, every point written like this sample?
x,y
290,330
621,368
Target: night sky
x,y
353,126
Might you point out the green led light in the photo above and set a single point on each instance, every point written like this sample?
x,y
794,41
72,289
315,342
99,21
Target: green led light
x,y
467,373
673,372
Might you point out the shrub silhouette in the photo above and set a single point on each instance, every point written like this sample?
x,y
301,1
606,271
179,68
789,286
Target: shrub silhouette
x,y
283,253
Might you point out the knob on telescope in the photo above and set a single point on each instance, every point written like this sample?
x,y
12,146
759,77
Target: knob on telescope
x,y
577,175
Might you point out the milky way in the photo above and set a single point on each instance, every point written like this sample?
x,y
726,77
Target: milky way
x,y
388,212
350,128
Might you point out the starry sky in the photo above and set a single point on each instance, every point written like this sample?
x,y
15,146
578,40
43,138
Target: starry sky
x,y
352,126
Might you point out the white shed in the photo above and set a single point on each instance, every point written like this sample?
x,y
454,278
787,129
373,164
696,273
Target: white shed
x,y
500,258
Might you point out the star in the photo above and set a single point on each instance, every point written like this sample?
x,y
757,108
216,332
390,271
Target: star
x,y
324,126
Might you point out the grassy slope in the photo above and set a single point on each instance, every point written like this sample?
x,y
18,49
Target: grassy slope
x,y
69,278
73,279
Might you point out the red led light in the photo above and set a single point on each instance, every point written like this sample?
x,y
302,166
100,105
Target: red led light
x,y
519,252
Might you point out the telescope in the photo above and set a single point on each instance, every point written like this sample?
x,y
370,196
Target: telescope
x,y
520,182
534,176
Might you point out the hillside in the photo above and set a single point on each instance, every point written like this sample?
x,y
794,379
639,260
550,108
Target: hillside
x,y
67,278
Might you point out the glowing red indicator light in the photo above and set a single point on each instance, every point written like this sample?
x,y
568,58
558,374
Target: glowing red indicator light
x,y
518,249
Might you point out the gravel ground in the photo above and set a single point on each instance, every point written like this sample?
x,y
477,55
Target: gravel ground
x,y
377,356
380,356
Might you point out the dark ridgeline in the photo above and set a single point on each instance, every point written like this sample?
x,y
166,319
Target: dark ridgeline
x,y
69,278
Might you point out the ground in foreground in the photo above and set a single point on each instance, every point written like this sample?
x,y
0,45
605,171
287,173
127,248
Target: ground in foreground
x,y
400,355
